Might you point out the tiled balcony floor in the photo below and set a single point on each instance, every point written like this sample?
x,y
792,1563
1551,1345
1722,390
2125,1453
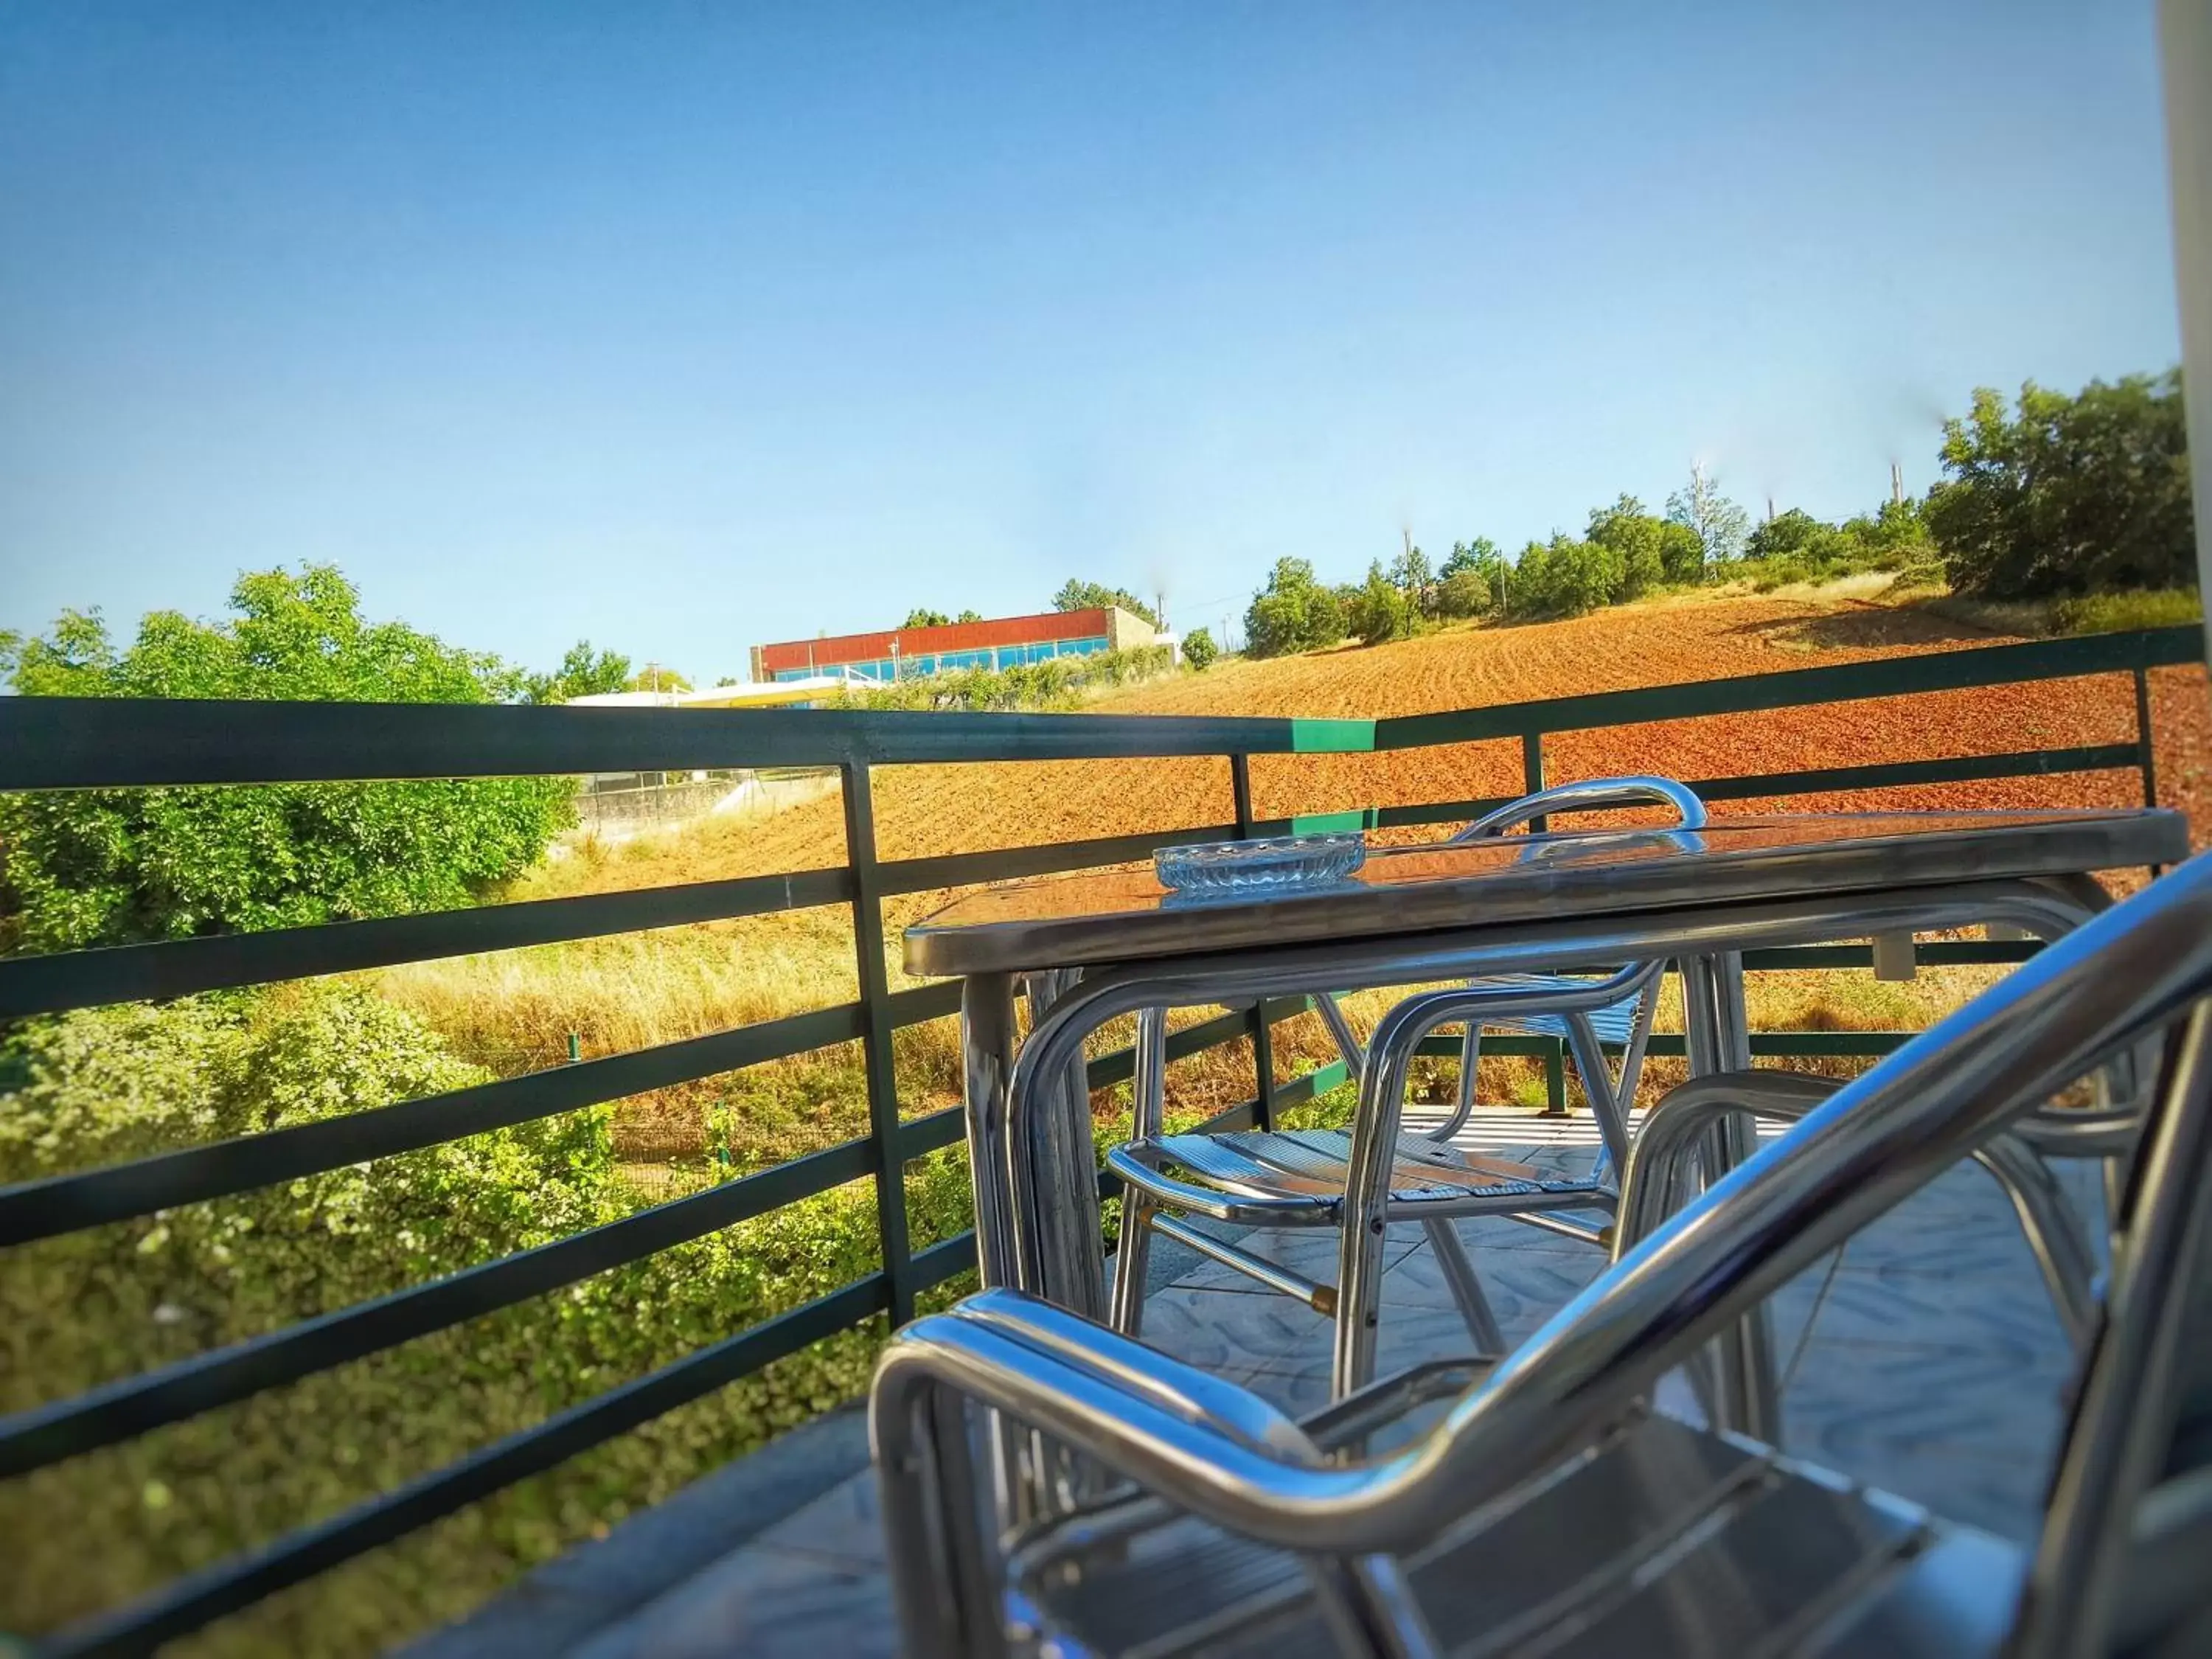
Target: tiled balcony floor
x,y
1934,1368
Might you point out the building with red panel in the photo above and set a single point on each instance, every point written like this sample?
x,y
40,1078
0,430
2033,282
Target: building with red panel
x,y
1002,643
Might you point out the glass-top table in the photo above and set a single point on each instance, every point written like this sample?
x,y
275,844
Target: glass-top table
x,y
1095,945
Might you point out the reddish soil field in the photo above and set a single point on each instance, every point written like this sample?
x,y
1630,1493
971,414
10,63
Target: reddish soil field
x,y
941,809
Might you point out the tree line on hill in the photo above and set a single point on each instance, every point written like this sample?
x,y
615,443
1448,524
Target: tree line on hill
x,y
2061,496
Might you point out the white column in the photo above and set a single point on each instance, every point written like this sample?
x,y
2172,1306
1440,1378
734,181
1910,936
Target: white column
x,y
2185,38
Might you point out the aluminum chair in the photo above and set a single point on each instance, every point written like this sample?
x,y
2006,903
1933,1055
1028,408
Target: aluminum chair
x,y
1551,1511
1295,1178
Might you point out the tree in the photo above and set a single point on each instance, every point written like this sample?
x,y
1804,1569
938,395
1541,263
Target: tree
x,y
1718,523
1794,532
1076,595
968,617
1198,649
655,678
1474,578
579,675
1293,612
110,866
921,618
2068,496
1638,538
1564,578
1410,575
1380,610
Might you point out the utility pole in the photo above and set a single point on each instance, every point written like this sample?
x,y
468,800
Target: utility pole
x,y
1896,483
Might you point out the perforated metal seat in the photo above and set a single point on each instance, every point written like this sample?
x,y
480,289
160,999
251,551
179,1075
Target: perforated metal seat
x,y
1682,1542
1314,1164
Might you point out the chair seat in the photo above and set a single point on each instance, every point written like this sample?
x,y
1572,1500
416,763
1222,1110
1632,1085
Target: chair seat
x,y
1665,1540
1305,1164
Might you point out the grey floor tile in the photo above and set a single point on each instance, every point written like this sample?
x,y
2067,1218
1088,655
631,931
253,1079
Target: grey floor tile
x,y
764,1602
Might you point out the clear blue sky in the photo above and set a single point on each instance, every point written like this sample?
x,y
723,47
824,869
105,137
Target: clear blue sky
x,y
685,327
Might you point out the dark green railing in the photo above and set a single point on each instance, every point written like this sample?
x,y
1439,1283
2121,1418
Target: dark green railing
x,y
66,743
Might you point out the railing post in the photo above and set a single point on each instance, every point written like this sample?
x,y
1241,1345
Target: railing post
x,y
1555,1077
1531,776
1263,1043
2146,752
876,1039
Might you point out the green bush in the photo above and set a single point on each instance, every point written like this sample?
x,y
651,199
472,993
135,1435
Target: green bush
x,y
107,865
1293,612
1057,683
1380,610
1198,649
1564,578
98,1086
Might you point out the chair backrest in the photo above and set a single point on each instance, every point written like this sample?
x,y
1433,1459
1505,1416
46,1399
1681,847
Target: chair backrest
x,y
1590,795
2121,1566
2134,968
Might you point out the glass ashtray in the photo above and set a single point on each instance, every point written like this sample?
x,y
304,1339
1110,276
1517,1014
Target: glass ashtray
x,y
1278,864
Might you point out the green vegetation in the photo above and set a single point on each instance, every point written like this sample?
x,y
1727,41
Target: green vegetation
x,y
1056,682
105,867
2067,495
1198,649
2118,613
1293,612
1075,595
579,675
99,1085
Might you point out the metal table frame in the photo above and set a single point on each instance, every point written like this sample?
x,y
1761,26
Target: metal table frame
x,y
1029,1122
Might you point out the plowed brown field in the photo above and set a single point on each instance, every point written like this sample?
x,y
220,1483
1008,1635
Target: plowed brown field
x,y
943,809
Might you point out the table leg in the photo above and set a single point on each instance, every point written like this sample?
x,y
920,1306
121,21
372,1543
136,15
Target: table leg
x,y
1746,1395
1067,1229
987,1056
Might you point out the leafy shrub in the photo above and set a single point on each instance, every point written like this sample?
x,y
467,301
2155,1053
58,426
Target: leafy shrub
x,y
1293,612
107,865
1380,610
1564,578
98,1086
1198,649
1056,682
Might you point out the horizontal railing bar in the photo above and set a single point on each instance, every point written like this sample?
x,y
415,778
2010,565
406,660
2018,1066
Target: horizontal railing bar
x,y
941,1260
101,743
922,1135
1004,864
197,1599
1935,670
1963,768
61,1204
133,1406
1904,775
920,1004
175,968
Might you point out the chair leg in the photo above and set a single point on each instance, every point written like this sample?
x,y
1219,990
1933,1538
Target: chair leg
x,y
1597,1083
1470,1052
1132,1260
1466,1288
1125,1303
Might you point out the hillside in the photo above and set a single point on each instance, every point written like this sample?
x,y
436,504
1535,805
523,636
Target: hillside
x,y
922,810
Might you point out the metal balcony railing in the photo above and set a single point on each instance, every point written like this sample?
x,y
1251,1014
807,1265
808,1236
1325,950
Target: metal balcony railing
x,y
68,744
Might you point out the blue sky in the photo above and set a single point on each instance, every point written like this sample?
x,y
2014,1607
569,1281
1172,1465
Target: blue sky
x,y
688,327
